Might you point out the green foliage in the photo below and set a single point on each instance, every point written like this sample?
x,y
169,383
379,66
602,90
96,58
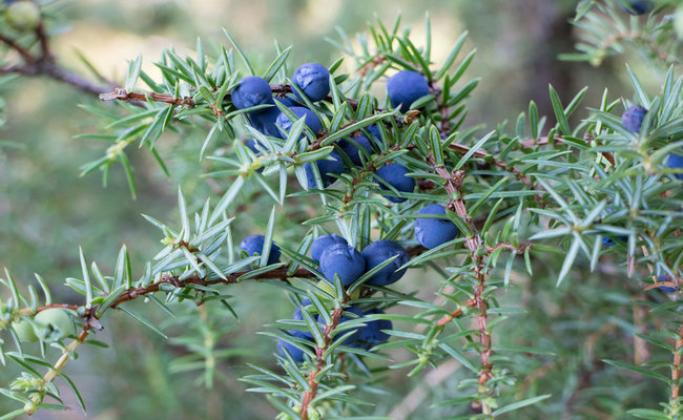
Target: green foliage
x,y
533,200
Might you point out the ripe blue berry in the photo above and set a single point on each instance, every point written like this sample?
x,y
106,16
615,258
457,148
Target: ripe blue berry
x,y
371,334
344,261
253,145
331,165
638,7
405,87
378,252
374,131
352,147
313,79
251,91
253,245
321,243
312,120
264,121
287,100
297,312
633,117
666,289
431,232
675,161
285,347
394,174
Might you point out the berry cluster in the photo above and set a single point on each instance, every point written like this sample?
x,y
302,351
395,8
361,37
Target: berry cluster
x,y
336,258
312,80
339,260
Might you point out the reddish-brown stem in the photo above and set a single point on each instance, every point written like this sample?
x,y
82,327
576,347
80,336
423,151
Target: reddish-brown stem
x,y
676,367
120,94
44,42
450,317
44,64
453,186
123,95
12,44
281,273
313,379
376,61
517,249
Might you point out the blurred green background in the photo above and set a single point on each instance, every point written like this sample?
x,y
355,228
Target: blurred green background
x,y
47,210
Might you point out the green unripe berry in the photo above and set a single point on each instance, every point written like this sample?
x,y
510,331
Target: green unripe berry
x,y
24,331
56,321
23,15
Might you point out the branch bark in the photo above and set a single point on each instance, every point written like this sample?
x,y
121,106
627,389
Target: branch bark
x,y
453,186
313,380
43,64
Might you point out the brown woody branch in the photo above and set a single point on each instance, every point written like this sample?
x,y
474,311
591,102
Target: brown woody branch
x,y
44,64
676,367
313,380
120,94
14,45
453,183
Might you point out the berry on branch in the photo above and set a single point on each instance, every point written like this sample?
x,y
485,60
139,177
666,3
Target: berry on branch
x,y
313,79
253,245
394,174
344,261
378,252
406,87
432,232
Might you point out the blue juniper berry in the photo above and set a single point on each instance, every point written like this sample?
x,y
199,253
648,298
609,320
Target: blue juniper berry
x,y
252,91
394,174
633,117
675,161
666,289
321,243
313,79
378,252
353,145
432,232
331,165
343,261
405,87
253,245
312,120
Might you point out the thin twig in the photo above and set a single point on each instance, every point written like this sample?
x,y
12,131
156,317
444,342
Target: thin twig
x,y
453,186
123,95
44,64
676,367
313,380
14,45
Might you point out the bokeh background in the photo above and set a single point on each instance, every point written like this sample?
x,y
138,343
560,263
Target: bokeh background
x,y
47,210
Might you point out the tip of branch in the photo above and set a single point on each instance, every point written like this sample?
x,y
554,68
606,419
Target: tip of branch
x,y
116,94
